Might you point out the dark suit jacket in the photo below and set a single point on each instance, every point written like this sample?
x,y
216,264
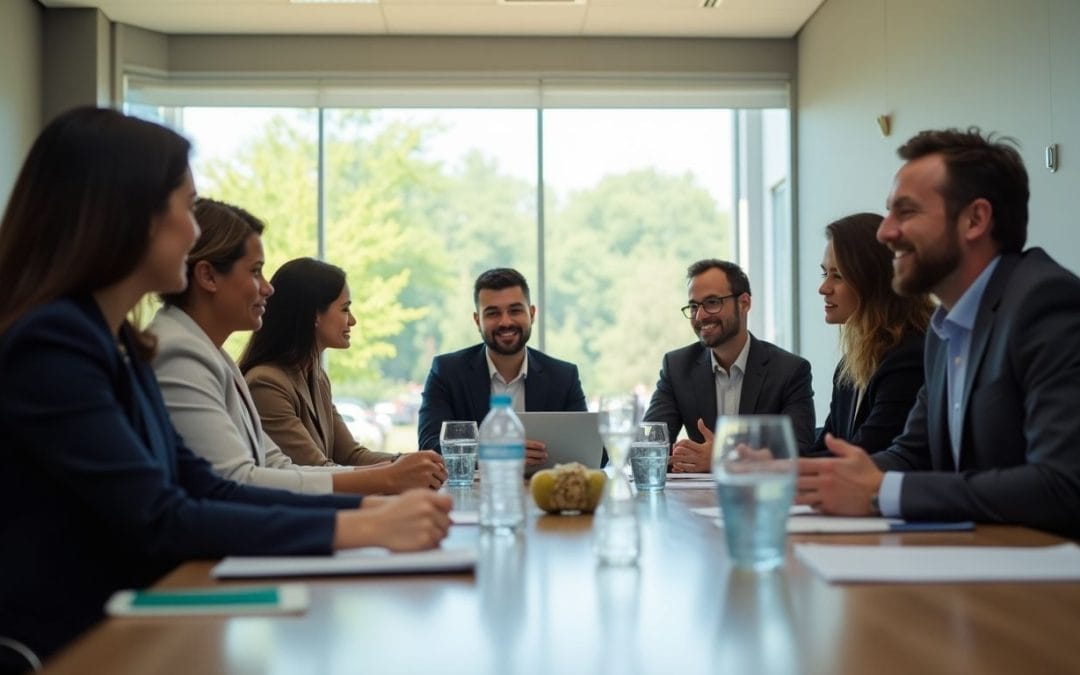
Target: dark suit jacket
x,y
98,493
889,396
1020,445
776,382
458,387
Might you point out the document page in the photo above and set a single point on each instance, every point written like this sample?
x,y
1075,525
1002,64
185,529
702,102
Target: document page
x,y
941,563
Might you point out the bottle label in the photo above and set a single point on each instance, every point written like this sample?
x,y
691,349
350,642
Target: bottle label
x,y
507,451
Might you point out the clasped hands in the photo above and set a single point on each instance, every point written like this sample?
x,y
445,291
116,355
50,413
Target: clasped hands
x,y
841,485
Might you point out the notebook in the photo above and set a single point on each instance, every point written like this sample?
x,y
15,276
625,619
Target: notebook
x,y
569,437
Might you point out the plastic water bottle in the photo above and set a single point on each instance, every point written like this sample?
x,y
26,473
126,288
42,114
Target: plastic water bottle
x,y
502,465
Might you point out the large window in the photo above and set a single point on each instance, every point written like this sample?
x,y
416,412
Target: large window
x,y
601,205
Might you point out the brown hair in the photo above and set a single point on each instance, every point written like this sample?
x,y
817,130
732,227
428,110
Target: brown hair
x,y
978,166
223,241
80,213
882,318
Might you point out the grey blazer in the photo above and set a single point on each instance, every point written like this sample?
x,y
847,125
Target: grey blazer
x,y
1020,445
776,382
211,408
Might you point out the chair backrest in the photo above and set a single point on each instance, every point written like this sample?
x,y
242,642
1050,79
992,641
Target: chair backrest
x,y
24,653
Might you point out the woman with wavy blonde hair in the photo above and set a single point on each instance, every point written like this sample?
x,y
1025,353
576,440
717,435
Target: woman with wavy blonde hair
x,y
881,337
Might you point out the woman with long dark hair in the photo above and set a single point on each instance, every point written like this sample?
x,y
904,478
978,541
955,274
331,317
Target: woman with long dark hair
x,y
309,313
98,492
881,337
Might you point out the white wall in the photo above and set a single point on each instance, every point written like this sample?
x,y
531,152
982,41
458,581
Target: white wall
x,y
20,87
1011,66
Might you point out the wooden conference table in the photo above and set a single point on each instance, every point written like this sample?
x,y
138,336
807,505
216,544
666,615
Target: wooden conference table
x,y
538,603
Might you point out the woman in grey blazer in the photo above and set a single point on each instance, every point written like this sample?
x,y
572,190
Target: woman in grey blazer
x,y
207,397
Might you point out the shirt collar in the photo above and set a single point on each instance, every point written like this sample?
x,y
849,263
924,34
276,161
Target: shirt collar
x,y
962,315
740,360
493,371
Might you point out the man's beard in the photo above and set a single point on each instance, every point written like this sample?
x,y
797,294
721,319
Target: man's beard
x,y
728,330
928,266
490,339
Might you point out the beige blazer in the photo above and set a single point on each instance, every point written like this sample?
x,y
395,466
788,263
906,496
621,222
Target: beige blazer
x,y
211,408
304,423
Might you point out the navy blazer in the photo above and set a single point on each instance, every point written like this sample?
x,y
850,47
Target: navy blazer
x,y
776,382
1020,445
458,387
889,396
97,491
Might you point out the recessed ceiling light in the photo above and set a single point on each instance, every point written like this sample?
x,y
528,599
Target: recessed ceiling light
x,y
334,2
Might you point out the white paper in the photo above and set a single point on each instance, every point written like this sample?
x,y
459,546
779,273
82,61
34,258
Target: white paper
x,y
689,484
349,561
464,517
714,511
803,519
941,563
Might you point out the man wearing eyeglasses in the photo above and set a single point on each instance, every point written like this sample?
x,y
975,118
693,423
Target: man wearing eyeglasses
x,y
727,372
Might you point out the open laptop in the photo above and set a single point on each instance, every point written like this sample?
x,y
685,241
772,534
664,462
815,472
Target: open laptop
x,y
569,437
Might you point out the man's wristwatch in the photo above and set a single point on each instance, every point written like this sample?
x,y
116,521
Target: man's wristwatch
x,y
875,506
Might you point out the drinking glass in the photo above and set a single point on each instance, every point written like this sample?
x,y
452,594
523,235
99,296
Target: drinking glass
x,y
754,464
617,535
649,456
458,442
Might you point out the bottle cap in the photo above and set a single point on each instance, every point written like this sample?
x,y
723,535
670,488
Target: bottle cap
x,y
500,399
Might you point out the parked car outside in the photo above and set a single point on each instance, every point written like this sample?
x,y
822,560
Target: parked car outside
x,y
362,424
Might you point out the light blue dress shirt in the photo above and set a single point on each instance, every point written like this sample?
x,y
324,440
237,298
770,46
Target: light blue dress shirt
x,y
954,328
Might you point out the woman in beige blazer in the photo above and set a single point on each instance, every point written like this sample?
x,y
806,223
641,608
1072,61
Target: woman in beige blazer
x,y
205,393
310,312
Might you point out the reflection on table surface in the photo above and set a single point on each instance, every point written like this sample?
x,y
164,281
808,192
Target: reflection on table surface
x,y
538,603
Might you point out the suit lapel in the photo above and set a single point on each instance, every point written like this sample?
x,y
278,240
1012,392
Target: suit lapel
x,y
478,390
704,391
754,378
535,391
983,329
937,405
303,391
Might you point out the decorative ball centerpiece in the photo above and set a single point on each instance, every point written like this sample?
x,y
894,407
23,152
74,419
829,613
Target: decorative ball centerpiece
x,y
567,488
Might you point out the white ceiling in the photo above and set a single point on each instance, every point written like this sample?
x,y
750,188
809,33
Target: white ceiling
x,y
611,18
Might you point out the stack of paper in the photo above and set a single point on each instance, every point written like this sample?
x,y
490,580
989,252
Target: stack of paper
x,y
941,563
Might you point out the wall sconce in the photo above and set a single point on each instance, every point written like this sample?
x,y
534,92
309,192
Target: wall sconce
x,y
884,123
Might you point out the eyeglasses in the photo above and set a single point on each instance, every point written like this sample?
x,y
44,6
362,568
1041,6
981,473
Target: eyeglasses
x,y
712,305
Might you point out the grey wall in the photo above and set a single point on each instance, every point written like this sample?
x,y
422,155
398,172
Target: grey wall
x,y
1005,65
77,60
20,86
207,54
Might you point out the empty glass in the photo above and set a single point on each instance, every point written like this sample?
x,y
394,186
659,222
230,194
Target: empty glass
x,y
615,524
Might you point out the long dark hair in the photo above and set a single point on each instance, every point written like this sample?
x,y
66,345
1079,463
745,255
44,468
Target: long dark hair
x,y
80,213
303,289
882,318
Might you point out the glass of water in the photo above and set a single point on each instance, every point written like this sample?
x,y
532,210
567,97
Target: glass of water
x,y
457,442
754,464
649,456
